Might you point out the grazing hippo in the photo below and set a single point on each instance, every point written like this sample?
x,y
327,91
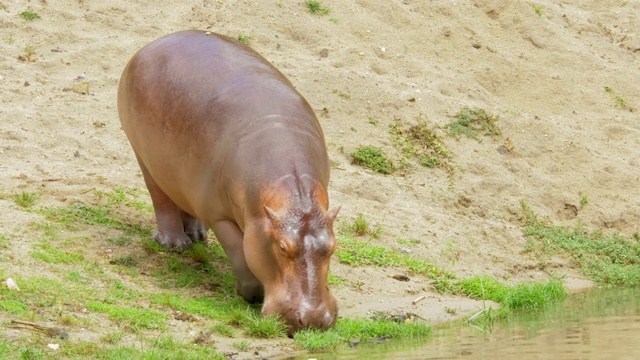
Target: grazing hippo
x,y
225,142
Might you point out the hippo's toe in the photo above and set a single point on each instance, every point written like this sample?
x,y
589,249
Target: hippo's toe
x,y
180,241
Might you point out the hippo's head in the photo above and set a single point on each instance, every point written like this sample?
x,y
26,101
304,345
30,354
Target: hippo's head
x,y
292,262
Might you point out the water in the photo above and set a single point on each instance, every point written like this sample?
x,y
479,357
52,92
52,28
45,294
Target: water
x,y
595,324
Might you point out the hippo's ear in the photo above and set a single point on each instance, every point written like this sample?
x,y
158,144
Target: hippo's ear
x,y
273,216
333,213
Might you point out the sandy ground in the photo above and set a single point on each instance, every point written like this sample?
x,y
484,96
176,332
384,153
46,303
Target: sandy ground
x,y
368,61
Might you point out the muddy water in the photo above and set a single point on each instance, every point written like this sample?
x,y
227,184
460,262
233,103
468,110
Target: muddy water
x,y
596,324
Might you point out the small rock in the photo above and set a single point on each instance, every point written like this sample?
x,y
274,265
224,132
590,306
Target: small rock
x,y
11,285
53,346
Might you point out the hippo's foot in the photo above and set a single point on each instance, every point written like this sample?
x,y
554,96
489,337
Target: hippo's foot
x,y
251,292
193,227
176,241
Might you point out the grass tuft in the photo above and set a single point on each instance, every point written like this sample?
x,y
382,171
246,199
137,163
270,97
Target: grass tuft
x,y
29,15
316,7
25,199
420,143
265,327
373,158
472,123
245,39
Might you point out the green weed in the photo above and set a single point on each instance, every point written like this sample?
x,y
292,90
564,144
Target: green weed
x,y
29,15
336,280
360,226
620,102
584,201
25,199
408,242
539,9
245,39
373,158
472,123
420,143
316,7
342,94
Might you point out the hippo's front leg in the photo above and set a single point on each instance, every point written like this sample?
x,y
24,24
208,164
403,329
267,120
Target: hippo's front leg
x,y
231,238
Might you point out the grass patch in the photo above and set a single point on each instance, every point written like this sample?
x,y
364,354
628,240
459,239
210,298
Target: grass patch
x,y
265,327
420,143
363,253
347,330
52,255
316,7
29,15
472,123
223,329
525,295
606,259
100,215
131,317
373,158
360,226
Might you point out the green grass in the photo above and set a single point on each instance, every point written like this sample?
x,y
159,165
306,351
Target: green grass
x,y
316,7
620,102
223,329
355,252
606,259
347,330
373,158
539,9
265,327
363,253
49,254
360,226
25,199
525,295
29,15
473,123
99,215
134,318
420,143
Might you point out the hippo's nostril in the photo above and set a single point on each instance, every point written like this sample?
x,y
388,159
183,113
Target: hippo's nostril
x,y
301,320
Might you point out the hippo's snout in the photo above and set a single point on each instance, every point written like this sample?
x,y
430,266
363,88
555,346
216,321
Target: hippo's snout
x,y
321,316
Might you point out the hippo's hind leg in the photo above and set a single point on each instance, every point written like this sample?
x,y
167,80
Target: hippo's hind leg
x,y
168,216
193,227
230,237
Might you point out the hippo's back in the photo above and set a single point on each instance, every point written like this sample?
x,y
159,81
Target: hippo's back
x,y
186,102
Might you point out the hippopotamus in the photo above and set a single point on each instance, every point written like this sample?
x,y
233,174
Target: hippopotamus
x,y
225,142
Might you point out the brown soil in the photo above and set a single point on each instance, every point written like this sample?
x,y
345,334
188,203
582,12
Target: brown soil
x,y
367,61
